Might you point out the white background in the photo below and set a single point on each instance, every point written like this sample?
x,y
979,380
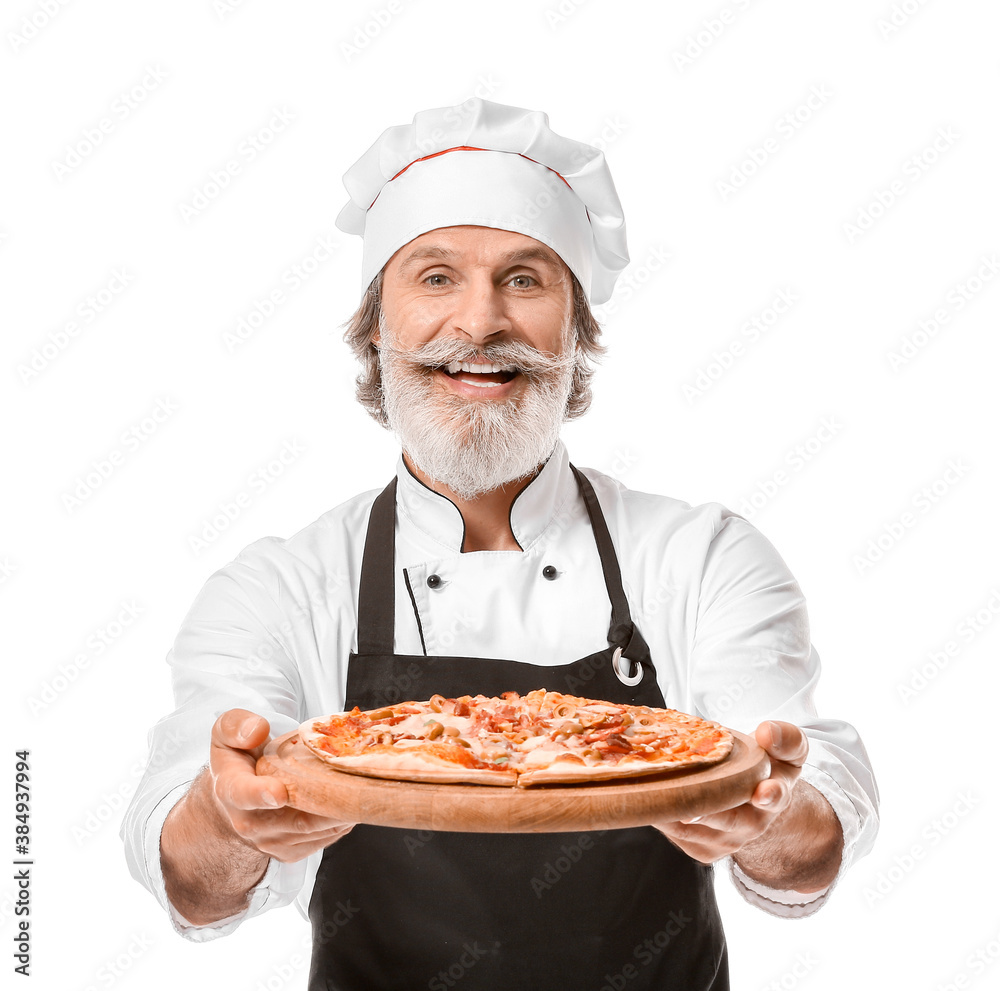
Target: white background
x,y
605,72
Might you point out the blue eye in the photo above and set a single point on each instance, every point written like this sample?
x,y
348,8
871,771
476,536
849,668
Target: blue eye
x,y
523,279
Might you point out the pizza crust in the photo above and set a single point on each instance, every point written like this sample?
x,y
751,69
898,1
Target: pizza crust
x,y
542,738
404,766
565,772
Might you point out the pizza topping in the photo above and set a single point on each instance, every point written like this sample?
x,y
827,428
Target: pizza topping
x,y
538,738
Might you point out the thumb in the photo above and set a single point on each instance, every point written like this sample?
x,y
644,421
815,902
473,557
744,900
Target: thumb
x,y
241,729
783,741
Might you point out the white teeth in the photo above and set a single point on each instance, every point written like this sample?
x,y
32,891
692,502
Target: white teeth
x,y
477,369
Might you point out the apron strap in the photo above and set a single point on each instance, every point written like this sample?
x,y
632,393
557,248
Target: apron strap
x,y
376,593
620,631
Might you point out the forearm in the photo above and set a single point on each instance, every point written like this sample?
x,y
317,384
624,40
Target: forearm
x,y
208,870
801,850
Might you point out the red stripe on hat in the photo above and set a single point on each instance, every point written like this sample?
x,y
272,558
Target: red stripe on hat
x,y
464,148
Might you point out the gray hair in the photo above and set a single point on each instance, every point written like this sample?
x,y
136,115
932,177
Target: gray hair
x,y
363,325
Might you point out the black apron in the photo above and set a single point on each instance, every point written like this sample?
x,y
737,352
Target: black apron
x,y
412,909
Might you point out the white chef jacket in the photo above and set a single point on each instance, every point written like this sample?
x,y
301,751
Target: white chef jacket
x,y
725,621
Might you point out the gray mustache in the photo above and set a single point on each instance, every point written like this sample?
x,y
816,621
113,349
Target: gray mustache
x,y
527,360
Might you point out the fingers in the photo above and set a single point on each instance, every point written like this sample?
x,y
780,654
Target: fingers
x,y
238,736
788,747
715,836
291,851
783,741
287,825
772,795
287,834
240,788
256,806
728,820
707,838
240,729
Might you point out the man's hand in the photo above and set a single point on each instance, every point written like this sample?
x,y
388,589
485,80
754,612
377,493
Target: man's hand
x,y
256,807
218,839
787,836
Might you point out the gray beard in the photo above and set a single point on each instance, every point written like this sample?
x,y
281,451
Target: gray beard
x,y
471,445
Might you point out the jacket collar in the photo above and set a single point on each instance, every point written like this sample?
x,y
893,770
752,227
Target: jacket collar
x,y
533,510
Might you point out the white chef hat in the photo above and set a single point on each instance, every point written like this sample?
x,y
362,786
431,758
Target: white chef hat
x,y
488,165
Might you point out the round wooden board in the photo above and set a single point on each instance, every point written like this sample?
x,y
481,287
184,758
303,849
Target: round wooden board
x,y
315,786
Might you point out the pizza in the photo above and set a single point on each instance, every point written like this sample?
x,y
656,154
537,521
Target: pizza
x,y
539,738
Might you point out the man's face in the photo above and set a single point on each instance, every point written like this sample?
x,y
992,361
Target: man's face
x,y
477,353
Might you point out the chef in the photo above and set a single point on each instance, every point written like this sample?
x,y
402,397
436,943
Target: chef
x,y
491,563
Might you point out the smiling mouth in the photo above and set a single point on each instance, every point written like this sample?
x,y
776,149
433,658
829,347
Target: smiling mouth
x,y
483,375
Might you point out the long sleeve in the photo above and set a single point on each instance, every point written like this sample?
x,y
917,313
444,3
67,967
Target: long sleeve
x,y
752,660
224,657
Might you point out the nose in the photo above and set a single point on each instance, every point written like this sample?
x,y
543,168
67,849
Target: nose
x,y
480,312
